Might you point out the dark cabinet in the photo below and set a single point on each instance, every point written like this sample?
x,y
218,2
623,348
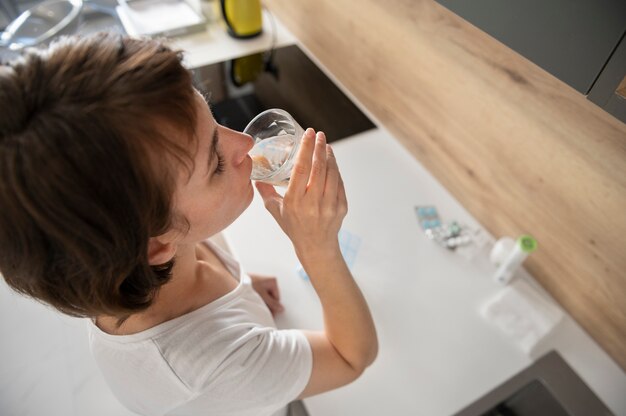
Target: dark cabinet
x,y
609,90
575,40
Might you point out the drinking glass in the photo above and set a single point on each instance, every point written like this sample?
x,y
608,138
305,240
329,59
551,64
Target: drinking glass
x,y
276,138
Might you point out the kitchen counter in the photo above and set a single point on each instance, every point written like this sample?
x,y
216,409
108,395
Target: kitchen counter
x,y
437,354
215,45
522,151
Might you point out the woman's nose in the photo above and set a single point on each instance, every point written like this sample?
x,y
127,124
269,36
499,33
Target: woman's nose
x,y
248,142
242,144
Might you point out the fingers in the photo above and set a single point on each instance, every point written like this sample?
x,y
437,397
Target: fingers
x,y
342,201
302,166
332,177
267,288
272,288
268,283
275,307
309,171
317,179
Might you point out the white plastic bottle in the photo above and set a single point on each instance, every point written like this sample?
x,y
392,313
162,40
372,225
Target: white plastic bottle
x,y
521,249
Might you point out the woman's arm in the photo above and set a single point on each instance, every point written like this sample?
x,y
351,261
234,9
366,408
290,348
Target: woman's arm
x,y
311,214
348,344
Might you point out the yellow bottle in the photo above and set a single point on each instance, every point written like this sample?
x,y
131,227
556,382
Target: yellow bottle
x,y
243,17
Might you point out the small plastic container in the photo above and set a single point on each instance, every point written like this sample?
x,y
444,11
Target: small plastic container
x,y
277,138
509,256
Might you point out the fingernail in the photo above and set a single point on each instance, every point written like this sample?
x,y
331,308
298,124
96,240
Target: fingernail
x,y
310,132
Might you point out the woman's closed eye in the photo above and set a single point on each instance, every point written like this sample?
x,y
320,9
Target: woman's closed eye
x,y
215,153
220,164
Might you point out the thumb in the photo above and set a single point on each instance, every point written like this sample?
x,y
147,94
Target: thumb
x,y
271,198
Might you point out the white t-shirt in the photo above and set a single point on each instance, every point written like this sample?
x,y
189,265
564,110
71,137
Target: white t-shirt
x,y
225,358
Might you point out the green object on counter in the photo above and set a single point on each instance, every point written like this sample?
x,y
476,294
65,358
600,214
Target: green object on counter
x,y
527,243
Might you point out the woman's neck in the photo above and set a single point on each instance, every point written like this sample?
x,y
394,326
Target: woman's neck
x,y
188,274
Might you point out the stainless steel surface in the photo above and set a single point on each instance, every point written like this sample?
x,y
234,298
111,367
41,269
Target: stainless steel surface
x,y
95,16
41,23
8,11
549,386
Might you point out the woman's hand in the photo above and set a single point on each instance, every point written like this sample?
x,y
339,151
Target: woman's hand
x,y
314,204
267,288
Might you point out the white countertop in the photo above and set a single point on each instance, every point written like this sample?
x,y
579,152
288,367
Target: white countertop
x,y
215,45
437,354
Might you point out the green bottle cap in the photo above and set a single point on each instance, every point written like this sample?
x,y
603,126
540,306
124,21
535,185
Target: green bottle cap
x,y
527,243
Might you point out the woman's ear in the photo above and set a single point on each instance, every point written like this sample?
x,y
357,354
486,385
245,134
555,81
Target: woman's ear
x,y
160,252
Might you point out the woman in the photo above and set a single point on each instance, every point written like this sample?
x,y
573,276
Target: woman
x,y
114,175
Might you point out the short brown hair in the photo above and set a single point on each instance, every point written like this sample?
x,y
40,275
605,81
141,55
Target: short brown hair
x,y
81,190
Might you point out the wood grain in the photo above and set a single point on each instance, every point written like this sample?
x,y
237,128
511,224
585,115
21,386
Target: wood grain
x,y
521,150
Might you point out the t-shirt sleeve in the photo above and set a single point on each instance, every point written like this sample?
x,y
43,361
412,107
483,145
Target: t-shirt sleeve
x,y
267,369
